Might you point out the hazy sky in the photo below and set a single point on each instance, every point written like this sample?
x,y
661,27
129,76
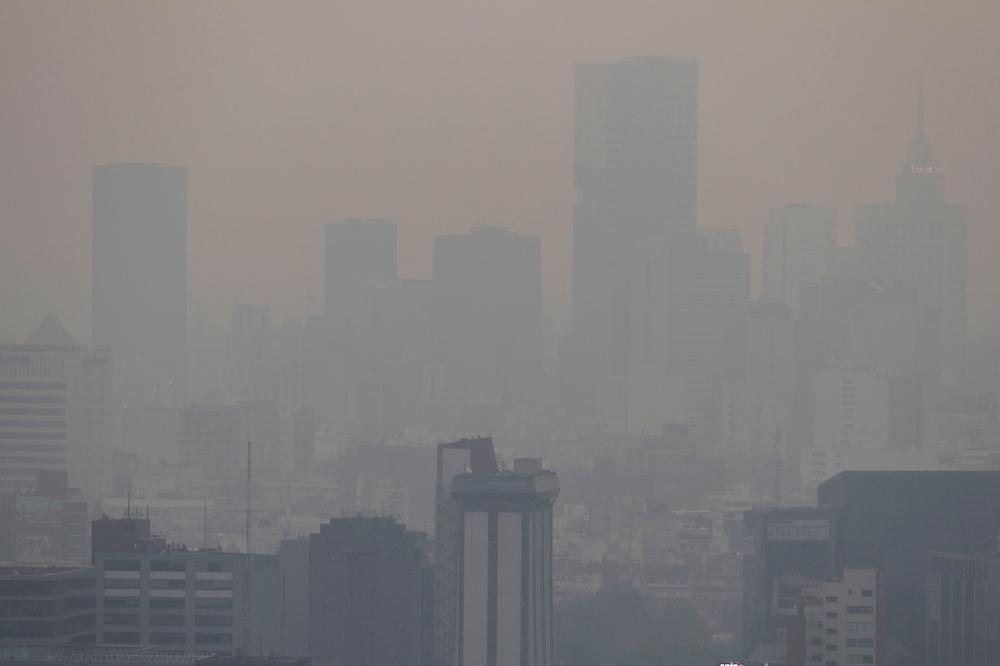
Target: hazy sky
x,y
437,115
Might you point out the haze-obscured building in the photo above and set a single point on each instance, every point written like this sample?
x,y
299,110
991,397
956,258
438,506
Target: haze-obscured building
x,y
139,290
56,409
799,242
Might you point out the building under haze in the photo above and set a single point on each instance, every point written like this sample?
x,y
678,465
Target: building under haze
x,y
487,289
139,289
799,245
921,240
355,250
56,406
635,160
493,558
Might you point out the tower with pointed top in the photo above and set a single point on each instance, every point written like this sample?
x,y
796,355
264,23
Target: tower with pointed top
x,y
922,240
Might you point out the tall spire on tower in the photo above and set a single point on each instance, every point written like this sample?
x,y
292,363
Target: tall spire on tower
x,y
920,150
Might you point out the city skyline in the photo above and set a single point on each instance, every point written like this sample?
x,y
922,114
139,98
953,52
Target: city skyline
x,y
832,145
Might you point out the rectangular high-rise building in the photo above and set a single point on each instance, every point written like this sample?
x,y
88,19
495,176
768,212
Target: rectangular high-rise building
x,y
799,244
923,241
493,604
487,296
635,164
356,250
139,298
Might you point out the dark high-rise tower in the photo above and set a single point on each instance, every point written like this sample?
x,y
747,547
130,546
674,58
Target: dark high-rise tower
x,y
635,162
139,301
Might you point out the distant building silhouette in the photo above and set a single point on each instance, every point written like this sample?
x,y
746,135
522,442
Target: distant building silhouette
x,y
487,288
356,250
921,240
139,298
799,245
635,164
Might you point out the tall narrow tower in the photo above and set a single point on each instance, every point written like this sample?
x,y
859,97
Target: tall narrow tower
x,y
139,272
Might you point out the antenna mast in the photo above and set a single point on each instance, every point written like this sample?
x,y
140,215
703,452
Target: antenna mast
x,y
777,466
246,561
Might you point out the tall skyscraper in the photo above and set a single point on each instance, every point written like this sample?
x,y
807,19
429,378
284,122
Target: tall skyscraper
x,y
635,160
139,301
497,540
921,240
356,249
799,244
487,288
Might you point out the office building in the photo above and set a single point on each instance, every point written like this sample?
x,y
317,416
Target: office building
x,y
635,164
487,290
215,438
46,525
839,621
139,298
921,240
493,600
55,412
892,520
356,250
174,599
799,242
45,610
680,299
963,607
366,593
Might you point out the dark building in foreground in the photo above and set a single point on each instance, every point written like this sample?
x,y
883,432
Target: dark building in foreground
x,y
366,594
45,610
963,608
493,600
888,521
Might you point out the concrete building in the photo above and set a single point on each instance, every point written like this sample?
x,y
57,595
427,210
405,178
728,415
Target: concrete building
x,y
174,599
487,288
680,298
366,593
139,299
56,410
635,169
215,437
356,249
840,621
921,240
963,607
493,604
45,610
799,242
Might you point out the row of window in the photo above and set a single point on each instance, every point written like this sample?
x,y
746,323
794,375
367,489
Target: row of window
x,y
171,620
850,659
133,602
132,637
166,565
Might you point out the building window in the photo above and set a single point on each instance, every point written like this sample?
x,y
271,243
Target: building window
x,y
121,565
815,625
121,619
815,641
214,639
832,632
860,659
166,620
861,610
212,603
815,658
174,639
831,600
867,593
861,626
831,615
213,620
860,642
121,637
166,603
121,602
830,648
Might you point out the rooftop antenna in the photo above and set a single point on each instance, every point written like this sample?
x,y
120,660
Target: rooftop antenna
x,y
246,560
777,466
